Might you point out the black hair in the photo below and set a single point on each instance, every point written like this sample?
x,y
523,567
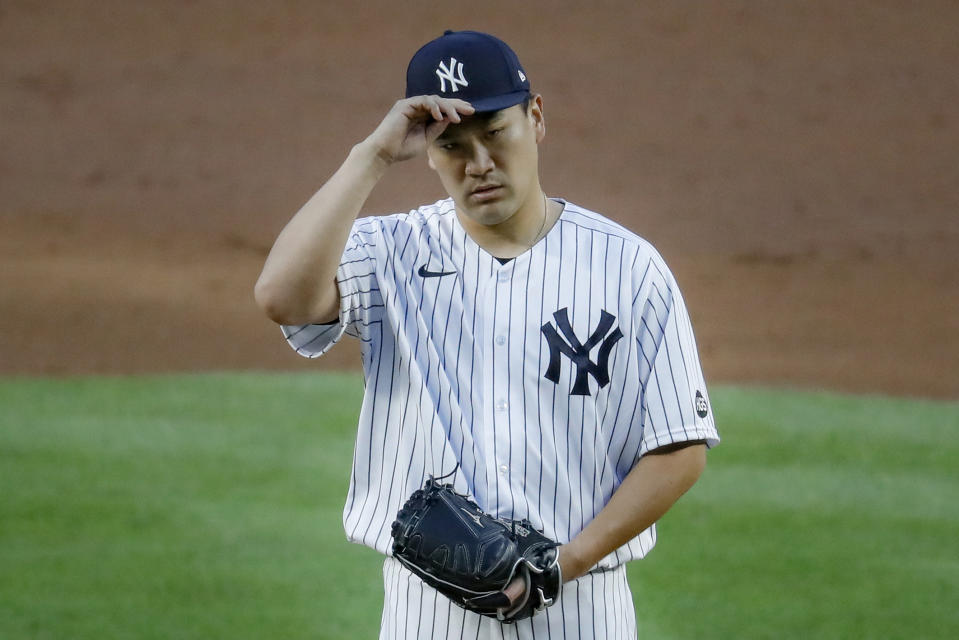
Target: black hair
x,y
527,101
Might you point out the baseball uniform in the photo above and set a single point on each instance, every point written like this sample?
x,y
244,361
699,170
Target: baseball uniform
x,y
545,378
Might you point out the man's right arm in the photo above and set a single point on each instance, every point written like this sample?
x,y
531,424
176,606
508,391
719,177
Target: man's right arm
x,y
297,284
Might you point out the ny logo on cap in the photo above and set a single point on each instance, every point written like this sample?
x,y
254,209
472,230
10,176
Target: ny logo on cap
x,y
446,73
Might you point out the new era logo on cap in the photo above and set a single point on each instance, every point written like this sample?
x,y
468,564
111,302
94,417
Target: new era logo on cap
x,y
472,66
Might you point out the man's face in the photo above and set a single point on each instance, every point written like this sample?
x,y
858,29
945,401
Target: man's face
x,y
489,163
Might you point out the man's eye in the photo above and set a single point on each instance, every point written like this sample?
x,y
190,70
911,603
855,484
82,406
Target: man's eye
x,y
494,132
448,146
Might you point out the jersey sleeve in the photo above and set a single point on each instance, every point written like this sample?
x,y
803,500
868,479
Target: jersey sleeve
x,y
675,403
360,301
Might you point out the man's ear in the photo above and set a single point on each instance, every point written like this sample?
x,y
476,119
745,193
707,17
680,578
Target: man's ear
x,y
537,117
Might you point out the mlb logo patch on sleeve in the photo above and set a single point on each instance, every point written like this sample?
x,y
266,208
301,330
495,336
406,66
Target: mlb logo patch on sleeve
x,y
702,409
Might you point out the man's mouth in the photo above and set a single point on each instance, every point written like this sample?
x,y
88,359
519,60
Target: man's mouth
x,y
486,188
486,193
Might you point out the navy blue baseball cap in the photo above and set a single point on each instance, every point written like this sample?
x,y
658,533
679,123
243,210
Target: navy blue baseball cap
x,y
472,66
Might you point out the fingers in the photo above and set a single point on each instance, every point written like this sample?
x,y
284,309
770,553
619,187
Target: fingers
x,y
449,110
516,589
436,113
413,123
518,593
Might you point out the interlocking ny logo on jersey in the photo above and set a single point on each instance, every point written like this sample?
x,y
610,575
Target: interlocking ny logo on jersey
x,y
578,352
446,73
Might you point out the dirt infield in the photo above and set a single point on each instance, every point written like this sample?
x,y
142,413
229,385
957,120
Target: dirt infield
x,y
796,165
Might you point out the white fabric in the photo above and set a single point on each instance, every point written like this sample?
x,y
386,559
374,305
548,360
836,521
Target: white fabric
x,y
597,606
456,368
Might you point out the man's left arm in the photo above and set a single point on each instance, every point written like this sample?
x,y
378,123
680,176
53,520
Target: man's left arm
x,y
653,485
662,474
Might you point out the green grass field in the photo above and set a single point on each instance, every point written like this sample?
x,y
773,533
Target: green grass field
x,y
209,506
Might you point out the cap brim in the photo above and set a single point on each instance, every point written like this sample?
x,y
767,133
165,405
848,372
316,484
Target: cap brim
x,y
499,102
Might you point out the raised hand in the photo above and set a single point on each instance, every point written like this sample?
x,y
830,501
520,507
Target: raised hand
x,y
413,123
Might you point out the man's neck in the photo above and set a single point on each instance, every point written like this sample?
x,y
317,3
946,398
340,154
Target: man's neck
x,y
517,234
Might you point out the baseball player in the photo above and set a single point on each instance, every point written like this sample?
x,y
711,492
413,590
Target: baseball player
x,y
538,348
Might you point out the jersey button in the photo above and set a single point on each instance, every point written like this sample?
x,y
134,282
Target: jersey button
x,y
501,340
503,276
503,469
502,405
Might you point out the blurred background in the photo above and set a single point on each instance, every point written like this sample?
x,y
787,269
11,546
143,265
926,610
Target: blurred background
x,y
794,162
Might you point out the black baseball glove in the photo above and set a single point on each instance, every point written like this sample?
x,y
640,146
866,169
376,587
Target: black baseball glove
x,y
470,557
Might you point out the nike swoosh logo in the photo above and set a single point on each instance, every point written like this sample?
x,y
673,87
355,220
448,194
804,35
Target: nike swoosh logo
x,y
433,274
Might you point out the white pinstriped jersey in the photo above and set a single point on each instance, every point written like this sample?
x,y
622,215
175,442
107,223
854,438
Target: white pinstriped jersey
x,y
545,378
596,606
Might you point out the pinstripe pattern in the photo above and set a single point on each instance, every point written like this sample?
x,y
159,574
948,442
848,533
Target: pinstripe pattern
x,y
456,372
597,606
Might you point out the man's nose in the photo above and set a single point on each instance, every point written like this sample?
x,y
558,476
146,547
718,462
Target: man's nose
x,y
480,161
